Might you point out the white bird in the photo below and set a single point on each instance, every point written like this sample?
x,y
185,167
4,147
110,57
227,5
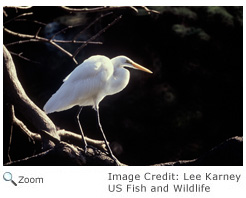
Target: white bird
x,y
97,77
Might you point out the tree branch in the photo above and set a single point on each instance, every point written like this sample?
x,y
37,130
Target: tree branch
x,y
53,41
25,58
76,139
97,35
33,21
24,129
19,7
92,23
38,38
98,9
66,155
150,11
228,153
56,41
22,102
44,127
64,29
21,15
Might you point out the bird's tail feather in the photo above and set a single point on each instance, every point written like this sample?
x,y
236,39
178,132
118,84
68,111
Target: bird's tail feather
x,y
56,104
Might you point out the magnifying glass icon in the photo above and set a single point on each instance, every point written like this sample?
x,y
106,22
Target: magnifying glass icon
x,y
7,176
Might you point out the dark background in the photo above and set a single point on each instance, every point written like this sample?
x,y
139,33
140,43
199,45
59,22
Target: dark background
x,y
192,102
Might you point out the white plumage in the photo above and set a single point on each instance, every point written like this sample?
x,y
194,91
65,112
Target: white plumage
x,y
82,86
97,77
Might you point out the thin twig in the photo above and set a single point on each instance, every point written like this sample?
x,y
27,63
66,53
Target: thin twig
x,y
64,30
72,41
87,27
24,35
11,133
19,7
41,39
92,23
36,38
5,13
17,95
56,41
24,129
22,41
38,31
21,15
150,11
23,57
10,141
33,21
98,9
97,35
61,31
31,157
63,50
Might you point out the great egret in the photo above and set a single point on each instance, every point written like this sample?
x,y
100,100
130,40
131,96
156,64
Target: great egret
x,y
97,77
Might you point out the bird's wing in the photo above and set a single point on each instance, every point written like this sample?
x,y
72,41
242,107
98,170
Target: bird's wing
x,y
83,86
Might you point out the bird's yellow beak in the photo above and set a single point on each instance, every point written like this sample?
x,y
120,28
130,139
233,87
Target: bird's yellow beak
x,y
137,66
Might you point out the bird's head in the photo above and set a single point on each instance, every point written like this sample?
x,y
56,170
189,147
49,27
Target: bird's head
x,y
123,61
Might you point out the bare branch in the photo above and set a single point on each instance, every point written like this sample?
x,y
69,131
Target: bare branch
x,y
97,35
72,41
76,139
56,41
10,142
41,39
22,102
21,15
92,23
24,129
31,112
33,21
52,41
36,38
38,32
65,136
27,158
25,58
19,7
150,11
25,35
5,13
66,154
98,9
10,138
63,30
63,50
21,41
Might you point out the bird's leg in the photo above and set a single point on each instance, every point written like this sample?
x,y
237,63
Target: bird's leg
x,y
105,139
82,133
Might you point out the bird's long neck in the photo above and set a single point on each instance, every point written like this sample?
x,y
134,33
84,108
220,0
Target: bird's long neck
x,y
118,80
